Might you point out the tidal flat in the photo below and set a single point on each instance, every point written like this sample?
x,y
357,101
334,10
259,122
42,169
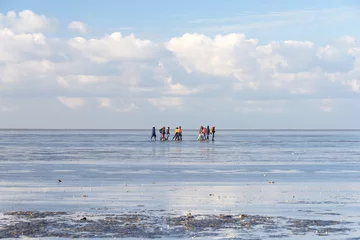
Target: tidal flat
x,y
118,184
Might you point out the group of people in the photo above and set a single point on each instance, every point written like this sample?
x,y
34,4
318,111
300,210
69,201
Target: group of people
x,y
165,134
204,133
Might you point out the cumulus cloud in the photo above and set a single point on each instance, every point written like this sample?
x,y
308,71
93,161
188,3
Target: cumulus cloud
x,y
243,60
223,56
72,102
177,74
21,73
300,67
114,47
25,22
19,47
178,89
77,26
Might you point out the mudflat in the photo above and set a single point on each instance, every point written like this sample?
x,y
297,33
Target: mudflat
x,y
118,184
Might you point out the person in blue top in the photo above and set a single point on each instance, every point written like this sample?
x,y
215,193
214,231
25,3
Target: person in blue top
x,y
153,133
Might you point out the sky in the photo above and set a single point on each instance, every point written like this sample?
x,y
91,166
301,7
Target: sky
x,y
273,64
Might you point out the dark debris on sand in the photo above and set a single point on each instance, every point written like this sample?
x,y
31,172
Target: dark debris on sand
x,y
66,225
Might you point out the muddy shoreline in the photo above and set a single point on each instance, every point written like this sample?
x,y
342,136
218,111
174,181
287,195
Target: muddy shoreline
x,y
159,225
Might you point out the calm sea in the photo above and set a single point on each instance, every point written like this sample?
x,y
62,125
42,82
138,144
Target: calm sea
x,y
296,174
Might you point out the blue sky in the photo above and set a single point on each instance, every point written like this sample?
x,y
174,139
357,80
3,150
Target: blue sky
x,y
132,64
153,17
136,11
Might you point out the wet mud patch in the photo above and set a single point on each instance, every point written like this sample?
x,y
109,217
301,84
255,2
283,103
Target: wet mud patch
x,y
31,214
147,225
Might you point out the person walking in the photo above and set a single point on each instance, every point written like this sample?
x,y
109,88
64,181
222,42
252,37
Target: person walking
x,y
167,133
153,133
213,132
207,132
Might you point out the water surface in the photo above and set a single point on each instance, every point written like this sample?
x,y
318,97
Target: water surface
x,y
291,175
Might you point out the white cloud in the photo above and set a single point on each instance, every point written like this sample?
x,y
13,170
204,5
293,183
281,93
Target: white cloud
x,y
222,56
178,89
242,59
126,109
104,102
12,73
25,22
114,47
354,84
164,103
19,47
72,102
183,73
77,26
300,67
81,79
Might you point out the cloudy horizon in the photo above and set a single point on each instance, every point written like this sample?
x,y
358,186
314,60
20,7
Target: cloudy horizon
x,y
263,67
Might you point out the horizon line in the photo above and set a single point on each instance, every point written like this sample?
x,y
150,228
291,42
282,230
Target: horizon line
x,y
148,129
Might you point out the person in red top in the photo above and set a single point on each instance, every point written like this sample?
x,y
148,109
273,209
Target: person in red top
x,y
162,131
204,133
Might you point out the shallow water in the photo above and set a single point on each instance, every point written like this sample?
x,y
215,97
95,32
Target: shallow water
x,y
285,176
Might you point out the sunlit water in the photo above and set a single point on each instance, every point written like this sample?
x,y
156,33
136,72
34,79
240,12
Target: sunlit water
x,y
297,174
